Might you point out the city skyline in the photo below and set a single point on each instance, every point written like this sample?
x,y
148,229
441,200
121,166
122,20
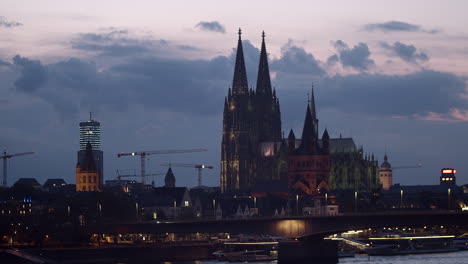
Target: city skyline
x,y
391,86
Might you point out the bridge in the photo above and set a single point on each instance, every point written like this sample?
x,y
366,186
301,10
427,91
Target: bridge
x,y
293,227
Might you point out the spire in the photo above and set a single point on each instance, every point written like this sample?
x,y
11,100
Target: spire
x,y
385,157
169,180
325,134
239,82
263,77
312,104
312,110
308,144
291,134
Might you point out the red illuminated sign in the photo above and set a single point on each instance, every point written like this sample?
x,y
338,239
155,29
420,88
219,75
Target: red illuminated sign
x,y
449,171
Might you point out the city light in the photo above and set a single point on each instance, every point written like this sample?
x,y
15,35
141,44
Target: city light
x,y
449,171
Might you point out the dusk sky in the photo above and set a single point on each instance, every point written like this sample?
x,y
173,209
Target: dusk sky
x,y
391,74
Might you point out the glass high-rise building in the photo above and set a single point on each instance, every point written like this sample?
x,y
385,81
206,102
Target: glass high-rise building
x,y
90,131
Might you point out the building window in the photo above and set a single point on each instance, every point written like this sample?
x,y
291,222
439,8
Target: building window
x,y
84,179
186,203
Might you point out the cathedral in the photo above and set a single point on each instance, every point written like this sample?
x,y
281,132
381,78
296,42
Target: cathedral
x,y
254,152
251,127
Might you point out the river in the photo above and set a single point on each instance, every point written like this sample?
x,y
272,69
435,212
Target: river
x,y
460,257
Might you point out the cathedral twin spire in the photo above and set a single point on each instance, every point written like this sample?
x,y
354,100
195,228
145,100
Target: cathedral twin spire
x,y
263,77
239,82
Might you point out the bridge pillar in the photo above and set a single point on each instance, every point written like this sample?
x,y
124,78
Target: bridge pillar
x,y
316,250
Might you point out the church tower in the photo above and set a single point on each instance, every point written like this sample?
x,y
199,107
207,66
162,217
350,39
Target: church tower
x,y
386,174
267,104
169,180
309,164
239,136
88,175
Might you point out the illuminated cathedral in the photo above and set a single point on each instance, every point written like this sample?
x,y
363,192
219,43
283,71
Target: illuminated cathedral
x,y
254,152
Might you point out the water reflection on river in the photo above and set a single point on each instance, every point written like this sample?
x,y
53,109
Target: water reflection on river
x,y
444,258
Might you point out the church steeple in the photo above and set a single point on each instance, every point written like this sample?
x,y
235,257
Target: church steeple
x,y
239,82
263,77
169,180
309,137
312,110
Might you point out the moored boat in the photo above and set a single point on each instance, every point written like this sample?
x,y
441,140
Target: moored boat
x,y
403,245
248,251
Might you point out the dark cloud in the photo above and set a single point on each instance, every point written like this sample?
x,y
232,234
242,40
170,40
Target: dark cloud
x,y
9,24
397,26
113,43
357,57
120,43
395,95
150,102
213,26
4,63
296,60
424,95
405,52
32,74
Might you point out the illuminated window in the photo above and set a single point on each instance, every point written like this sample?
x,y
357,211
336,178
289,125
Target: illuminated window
x,y
186,203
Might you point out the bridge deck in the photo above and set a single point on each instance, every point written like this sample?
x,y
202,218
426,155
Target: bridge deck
x,y
292,227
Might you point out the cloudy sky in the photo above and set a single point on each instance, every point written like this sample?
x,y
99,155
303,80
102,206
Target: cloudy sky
x,y
391,74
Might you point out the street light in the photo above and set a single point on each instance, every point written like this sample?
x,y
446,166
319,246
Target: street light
x,y
297,204
401,199
214,208
326,199
355,202
448,198
136,210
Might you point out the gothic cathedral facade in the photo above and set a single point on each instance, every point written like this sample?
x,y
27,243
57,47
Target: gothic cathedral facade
x,y
254,152
251,128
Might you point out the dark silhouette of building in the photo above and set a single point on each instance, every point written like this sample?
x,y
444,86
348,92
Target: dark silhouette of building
x,y
27,183
169,180
253,151
88,175
54,184
251,127
447,176
309,164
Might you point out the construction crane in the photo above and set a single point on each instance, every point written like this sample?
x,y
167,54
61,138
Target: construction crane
x,y
419,165
119,176
9,156
143,155
199,167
